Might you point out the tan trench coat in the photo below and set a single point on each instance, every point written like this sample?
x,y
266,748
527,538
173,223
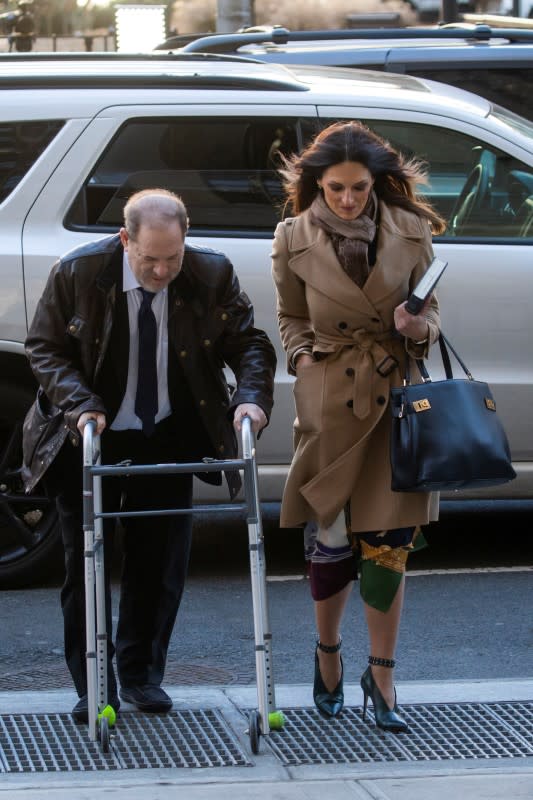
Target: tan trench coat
x,y
343,420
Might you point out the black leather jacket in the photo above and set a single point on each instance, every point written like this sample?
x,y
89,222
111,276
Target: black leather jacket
x,y
210,324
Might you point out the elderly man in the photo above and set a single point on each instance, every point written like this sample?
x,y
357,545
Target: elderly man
x,y
133,331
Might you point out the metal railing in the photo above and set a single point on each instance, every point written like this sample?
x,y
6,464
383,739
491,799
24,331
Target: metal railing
x,y
69,42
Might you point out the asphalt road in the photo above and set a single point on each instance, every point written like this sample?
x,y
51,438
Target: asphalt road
x,y
467,614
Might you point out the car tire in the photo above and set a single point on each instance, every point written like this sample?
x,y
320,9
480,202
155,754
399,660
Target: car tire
x,y
30,540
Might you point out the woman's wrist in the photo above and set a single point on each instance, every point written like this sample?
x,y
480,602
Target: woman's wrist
x,y
302,357
425,339
302,351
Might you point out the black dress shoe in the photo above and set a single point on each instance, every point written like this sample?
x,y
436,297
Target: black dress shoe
x,y
80,712
147,698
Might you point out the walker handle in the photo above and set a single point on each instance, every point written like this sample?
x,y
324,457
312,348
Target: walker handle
x,y
90,442
248,438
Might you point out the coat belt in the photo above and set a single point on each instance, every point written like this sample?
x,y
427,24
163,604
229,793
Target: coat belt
x,y
369,357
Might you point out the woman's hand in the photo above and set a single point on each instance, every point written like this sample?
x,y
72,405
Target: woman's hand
x,y
412,326
303,361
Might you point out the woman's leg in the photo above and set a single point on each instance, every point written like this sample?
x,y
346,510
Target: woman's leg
x,y
328,615
332,571
383,630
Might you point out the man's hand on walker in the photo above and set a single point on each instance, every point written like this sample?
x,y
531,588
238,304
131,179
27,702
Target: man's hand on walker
x,y
256,414
86,416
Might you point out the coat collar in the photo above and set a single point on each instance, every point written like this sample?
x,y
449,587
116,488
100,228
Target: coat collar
x,y
112,252
313,258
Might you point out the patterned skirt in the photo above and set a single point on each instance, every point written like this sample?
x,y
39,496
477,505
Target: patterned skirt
x,y
335,557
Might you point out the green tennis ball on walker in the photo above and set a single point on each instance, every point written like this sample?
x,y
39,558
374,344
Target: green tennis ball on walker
x,y
110,714
276,720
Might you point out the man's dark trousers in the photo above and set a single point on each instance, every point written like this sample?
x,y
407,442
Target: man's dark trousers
x,y
155,554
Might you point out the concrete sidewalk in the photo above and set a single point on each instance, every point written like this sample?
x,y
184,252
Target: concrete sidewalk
x,y
267,778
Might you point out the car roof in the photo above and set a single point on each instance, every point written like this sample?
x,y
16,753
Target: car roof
x,y
328,84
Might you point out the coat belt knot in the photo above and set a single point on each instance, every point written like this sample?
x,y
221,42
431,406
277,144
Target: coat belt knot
x,y
368,354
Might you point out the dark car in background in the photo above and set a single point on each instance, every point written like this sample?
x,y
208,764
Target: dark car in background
x,y
495,63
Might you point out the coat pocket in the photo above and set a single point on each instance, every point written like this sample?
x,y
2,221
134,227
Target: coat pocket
x,y
309,397
41,424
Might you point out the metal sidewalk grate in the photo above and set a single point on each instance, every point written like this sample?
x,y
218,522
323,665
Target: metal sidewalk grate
x,y
437,732
55,743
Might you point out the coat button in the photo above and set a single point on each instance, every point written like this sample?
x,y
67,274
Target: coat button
x,y
221,448
224,316
350,403
350,372
178,303
203,402
183,353
72,328
381,400
343,325
207,342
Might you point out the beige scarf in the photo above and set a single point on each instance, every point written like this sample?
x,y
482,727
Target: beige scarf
x,y
350,238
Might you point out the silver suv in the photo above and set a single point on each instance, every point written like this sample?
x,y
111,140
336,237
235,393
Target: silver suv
x,y
78,134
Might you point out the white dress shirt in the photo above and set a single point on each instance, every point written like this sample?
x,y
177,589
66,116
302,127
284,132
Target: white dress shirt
x,y
126,418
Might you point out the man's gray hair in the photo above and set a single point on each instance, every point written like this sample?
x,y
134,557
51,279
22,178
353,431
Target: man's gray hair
x,y
154,208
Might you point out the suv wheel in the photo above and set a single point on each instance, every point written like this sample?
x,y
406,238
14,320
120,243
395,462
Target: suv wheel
x,y
30,542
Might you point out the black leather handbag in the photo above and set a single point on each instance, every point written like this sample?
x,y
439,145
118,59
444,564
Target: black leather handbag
x,y
446,434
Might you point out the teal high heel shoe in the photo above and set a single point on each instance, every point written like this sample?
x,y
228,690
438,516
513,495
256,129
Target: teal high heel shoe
x,y
387,718
328,703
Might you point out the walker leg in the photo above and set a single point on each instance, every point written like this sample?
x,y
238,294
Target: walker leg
x,y
101,622
268,716
90,613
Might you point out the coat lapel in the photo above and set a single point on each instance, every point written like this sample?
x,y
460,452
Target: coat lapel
x,y
313,259
397,253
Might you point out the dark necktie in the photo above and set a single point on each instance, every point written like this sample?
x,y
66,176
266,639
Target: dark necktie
x,y
146,401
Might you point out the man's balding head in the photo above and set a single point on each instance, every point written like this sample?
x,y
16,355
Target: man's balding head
x,y
154,208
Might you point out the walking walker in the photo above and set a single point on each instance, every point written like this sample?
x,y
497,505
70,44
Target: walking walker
x,y
102,716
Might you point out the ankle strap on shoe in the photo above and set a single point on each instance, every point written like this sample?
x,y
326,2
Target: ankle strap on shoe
x,y
381,662
329,648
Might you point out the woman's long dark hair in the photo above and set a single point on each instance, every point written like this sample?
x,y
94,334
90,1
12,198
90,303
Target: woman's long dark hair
x,y
395,177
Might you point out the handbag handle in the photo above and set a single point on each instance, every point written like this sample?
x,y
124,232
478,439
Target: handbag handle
x,y
444,343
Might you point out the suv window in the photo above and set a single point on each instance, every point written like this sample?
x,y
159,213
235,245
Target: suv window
x,y
481,191
225,169
21,144
504,86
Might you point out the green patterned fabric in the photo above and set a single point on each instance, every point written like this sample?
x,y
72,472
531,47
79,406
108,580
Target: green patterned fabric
x,y
378,584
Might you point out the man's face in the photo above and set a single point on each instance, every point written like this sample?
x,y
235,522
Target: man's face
x,y
156,255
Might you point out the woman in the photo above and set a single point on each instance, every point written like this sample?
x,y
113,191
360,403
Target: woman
x,y
343,268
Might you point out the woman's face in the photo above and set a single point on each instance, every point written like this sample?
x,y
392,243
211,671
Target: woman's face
x,y
346,188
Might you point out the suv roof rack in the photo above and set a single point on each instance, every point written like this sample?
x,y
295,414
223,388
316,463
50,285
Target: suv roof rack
x,y
276,77
229,42
113,55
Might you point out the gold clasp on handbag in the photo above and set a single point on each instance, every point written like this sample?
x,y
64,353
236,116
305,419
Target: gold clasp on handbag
x,y
421,405
489,402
